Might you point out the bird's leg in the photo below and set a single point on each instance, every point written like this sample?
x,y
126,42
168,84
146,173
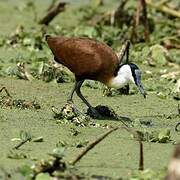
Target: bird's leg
x,y
78,91
70,101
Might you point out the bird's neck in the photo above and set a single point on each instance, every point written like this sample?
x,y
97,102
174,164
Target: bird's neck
x,y
122,77
118,81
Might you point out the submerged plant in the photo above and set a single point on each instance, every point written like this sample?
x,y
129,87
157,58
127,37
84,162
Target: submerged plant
x,y
160,136
14,154
148,174
18,103
69,115
55,163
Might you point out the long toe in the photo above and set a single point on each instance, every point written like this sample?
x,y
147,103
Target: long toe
x,y
95,114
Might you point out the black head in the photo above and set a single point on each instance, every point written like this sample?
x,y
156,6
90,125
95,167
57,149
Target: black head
x,y
136,73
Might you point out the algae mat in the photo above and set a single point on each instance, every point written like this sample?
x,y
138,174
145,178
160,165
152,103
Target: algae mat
x,y
117,155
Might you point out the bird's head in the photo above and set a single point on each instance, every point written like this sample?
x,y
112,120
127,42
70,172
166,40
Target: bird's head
x,y
131,73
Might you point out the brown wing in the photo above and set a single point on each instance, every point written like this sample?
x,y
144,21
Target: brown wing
x,y
84,57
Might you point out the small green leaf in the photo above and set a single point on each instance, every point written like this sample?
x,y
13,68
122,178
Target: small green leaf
x,y
58,152
95,3
43,176
25,135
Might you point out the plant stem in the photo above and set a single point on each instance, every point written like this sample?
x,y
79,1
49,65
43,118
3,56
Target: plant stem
x,y
91,145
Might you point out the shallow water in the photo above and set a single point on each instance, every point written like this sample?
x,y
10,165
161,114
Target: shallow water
x,y
115,156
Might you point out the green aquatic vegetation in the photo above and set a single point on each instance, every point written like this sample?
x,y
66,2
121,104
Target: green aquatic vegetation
x,y
116,156
20,71
158,55
74,132
40,70
110,92
55,163
26,171
32,40
85,31
14,154
62,144
96,3
51,71
142,123
43,176
160,136
175,54
148,174
18,103
46,72
81,144
93,84
25,137
176,90
68,114
58,152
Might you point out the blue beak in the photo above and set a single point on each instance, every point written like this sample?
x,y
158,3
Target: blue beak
x,y
138,83
141,89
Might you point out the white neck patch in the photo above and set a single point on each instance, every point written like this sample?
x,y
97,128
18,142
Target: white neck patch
x,y
124,76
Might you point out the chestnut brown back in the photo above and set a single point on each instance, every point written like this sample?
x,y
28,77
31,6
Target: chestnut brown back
x,y
86,58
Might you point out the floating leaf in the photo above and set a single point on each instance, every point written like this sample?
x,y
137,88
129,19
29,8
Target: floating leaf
x,y
26,171
161,136
158,54
43,176
24,135
58,152
164,136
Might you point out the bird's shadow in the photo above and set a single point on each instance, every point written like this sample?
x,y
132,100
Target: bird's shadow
x,y
119,118
106,113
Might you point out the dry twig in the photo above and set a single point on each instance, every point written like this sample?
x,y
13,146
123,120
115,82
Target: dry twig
x,y
21,143
141,156
163,8
5,89
52,13
91,145
124,49
141,6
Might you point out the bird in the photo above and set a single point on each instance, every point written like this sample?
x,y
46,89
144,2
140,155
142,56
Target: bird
x,y
90,59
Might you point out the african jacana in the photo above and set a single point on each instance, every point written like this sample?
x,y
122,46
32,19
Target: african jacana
x,y
90,59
